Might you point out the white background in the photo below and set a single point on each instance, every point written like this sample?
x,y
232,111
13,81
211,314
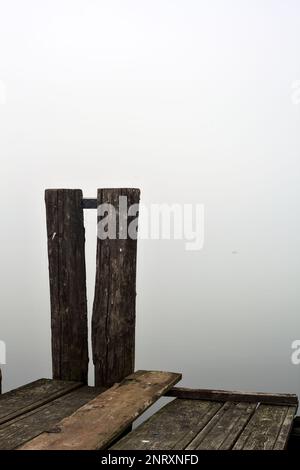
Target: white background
x,y
191,101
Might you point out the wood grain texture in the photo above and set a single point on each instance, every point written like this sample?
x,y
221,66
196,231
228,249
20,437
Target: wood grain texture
x,y
16,432
99,422
224,428
286,429
267,426
222,395
173,427
66,240
113,319
210,425
32,396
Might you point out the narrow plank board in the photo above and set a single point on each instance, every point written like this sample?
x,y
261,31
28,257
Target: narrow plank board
x,y
222,395
31,396
224,428
286,429
172,427
67,272
103,419
29,425
113,319
264,428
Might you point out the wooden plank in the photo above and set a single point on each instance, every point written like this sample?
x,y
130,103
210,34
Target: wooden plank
x,y
27,426
196,425
173,427
222,395
224,428
89,203
113,319
31,396
67,272
99,422
286,429
264,428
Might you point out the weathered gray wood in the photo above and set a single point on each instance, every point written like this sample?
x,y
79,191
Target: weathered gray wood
x,y
66,240
173,427
264,428
29,425
32,396
286,428
232,425
222,395
113,320
99,422
224,428
203,425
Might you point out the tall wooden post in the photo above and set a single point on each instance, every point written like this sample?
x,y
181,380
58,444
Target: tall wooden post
x,y
113,320
66,241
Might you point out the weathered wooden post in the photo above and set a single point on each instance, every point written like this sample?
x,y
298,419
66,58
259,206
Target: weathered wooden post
x,y
66,241
113,320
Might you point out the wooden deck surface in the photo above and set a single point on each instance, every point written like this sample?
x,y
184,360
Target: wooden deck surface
x,y
212,425
55,414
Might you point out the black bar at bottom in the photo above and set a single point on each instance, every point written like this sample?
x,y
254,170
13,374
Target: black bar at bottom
x,y
135,459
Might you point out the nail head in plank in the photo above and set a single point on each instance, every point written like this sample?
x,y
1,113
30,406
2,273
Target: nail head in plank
x,y
99,422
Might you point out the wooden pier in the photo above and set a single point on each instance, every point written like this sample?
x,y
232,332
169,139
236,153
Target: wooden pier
x,y
64,413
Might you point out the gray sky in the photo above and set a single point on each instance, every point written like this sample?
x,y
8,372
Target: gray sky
x,y
193,102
